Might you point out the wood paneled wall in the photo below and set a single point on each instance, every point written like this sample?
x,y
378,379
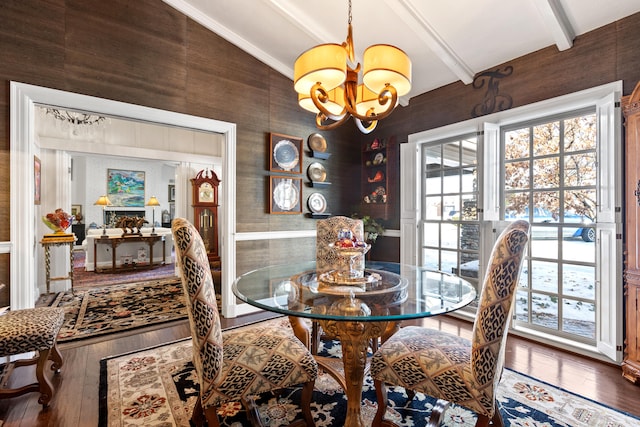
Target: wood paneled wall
x,y
145,52
602,56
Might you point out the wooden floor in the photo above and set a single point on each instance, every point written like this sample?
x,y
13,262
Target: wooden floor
x,y
76,400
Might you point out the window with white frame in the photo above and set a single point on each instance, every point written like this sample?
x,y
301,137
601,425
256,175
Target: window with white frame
x,y
554,163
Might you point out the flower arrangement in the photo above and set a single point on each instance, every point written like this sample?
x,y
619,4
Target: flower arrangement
x,y
372,228
59,221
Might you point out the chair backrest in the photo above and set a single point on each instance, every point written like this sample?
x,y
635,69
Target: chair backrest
x,y
197,283
326,233
495,307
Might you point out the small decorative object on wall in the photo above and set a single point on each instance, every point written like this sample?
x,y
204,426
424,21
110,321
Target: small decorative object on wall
x,y
316,172
285,195
285,153
317,203
492,101
125,188
76,212
172,193
37,175
317,143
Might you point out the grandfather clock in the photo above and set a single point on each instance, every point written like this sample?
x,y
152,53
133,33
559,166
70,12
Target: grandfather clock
x,y
205,210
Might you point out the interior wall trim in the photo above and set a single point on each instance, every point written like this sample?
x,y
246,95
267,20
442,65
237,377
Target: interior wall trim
x,y
23,100
272,235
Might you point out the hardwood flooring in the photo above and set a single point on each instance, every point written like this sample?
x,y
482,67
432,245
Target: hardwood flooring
x,y
76,400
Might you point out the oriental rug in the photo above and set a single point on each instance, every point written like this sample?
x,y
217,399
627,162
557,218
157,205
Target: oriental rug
x,y
95,312
158,387
85,279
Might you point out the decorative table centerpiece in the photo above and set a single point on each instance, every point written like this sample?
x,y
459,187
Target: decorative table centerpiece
x,y
59,221
348,246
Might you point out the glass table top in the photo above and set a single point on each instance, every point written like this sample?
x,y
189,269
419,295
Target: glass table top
x,y
386,291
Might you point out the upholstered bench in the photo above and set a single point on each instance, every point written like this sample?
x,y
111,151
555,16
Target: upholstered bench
x,y
26,331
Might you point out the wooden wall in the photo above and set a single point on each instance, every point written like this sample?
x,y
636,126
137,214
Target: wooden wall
x,y
145,52
602,56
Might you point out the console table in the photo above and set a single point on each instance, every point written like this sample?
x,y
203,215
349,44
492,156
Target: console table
x,y
57,240
114,242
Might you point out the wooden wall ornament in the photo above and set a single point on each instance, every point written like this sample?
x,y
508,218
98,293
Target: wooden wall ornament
x,y
205,210
493,100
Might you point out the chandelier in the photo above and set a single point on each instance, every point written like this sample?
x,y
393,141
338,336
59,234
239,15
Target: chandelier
x,y
328,86
79,124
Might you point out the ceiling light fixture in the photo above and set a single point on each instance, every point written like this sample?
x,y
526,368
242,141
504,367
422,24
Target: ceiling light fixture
x,y
328,86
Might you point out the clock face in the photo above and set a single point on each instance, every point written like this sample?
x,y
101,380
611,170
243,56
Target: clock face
x,y
205,193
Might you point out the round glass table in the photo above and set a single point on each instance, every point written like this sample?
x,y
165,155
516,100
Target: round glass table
x,y
355,310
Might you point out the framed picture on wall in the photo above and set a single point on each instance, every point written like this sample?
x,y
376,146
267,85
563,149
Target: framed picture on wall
x,y
76,212
37,179
285,153
172,193
285,194
125,187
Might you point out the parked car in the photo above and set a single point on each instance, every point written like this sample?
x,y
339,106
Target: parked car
x,y
586,231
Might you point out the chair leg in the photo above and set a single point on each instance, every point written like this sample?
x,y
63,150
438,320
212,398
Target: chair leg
x,y
437,413
45,386
305,402
56,357
381,397
197,416
212,417
496,420
483,421
252,411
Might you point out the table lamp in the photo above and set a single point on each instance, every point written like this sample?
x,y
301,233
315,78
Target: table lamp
x,y
104,202
153,202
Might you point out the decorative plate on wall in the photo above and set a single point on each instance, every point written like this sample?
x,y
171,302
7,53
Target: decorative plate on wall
x,y
285,154
317,143
317,203
316,172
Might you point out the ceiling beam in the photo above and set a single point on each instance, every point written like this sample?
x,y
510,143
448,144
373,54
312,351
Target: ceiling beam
x,y
556,21
425,32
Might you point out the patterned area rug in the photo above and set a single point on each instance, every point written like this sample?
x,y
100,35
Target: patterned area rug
x,y
85,279
158,387
96,312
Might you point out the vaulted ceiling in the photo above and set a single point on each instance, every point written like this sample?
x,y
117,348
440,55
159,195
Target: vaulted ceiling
x,y
447,41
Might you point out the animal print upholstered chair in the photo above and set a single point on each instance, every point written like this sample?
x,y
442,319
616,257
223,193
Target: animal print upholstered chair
x,y
450,368
227,363
326,233
327,259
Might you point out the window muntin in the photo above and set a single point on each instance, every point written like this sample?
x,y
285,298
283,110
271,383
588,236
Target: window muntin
x,y
550,175
450,218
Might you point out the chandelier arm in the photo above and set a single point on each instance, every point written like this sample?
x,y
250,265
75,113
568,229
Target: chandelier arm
x,y
365,129
332,125
387,96
319,96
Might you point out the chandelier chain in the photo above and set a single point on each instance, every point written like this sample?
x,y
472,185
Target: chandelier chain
x,y
349,13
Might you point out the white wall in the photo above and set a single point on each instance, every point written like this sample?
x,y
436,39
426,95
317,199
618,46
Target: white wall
x,y
90,182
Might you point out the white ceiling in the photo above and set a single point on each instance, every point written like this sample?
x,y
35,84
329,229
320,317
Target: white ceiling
x,y
447,41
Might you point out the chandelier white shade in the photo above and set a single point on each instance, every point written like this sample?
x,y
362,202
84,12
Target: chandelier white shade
x,y
386,65
330,88
326,63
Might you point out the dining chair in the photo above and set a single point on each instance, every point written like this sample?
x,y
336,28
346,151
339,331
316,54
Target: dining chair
x,y
31,331
235,365
326,233
448,367
327,259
